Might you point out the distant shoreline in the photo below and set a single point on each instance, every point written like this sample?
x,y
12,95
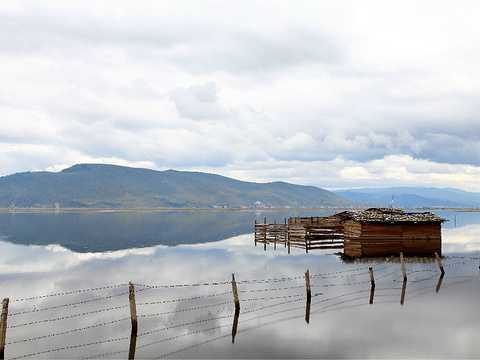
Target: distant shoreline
x,y
229,209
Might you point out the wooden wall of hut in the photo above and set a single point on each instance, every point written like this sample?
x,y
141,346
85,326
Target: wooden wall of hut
x,y
374,239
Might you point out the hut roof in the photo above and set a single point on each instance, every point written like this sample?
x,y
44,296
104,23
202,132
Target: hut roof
x,y
389,215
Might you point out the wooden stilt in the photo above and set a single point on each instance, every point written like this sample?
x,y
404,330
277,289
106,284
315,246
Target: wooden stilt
x,y
274,234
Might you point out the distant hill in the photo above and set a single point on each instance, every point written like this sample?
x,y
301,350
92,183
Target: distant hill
x,y
111,186
413,197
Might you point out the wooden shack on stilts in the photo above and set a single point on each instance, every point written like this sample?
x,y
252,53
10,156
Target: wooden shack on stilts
x,y
387,231
371,232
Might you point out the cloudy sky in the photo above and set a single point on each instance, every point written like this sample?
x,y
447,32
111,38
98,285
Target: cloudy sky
x,y
334,94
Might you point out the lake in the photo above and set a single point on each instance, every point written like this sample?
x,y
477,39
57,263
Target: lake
x,y
67,276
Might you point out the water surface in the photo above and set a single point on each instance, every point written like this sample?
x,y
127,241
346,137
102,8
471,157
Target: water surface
x,y
67,276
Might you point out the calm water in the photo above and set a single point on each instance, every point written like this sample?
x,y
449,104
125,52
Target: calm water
x,y
67,275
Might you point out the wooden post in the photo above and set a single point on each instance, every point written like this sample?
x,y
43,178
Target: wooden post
x,y
265,233
133,308
274,234
255,232
403,267
3,327
307,282
455,220
372,280
306,245
286,232
235,293
439,263
288,243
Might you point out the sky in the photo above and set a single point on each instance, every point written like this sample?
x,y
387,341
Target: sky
x,y
335,94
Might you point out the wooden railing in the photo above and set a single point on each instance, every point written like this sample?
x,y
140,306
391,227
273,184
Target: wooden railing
x,y
307,233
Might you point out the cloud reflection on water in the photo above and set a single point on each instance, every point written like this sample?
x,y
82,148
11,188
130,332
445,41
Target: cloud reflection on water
x,y
342,324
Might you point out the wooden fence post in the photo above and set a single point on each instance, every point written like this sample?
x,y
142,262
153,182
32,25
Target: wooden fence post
x,y
133,308
235,293
439,263
403,267
307,283
3,327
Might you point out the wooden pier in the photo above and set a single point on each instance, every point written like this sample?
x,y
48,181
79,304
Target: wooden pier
x,y
308,233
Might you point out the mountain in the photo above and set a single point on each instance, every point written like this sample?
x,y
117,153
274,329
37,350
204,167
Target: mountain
x,y
111,186
413,197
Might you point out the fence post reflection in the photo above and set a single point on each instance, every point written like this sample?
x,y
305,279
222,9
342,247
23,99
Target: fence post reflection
x,y
235,324
235,293
439,283
133,345
307,311
404,288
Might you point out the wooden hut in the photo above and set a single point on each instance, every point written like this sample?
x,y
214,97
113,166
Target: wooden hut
x,y
387,231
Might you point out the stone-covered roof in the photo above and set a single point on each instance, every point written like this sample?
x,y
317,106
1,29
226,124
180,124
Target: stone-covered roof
x,y
389,215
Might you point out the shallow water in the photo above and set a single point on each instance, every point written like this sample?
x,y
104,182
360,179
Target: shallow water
x,y
67,304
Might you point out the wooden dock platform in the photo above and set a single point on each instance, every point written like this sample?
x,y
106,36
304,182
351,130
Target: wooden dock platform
x,y
307,233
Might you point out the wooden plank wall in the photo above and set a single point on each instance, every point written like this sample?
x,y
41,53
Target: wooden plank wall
x,y
374,239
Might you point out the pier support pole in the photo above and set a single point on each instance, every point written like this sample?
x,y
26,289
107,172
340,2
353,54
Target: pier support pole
x,y
439,263
235,294
274,234
265,233
3,327
403,267
255,232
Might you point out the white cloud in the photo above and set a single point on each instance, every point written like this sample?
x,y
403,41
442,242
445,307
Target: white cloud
x,y
227,87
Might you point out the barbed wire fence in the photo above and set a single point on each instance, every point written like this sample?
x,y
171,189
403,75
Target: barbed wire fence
x,y
97,323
